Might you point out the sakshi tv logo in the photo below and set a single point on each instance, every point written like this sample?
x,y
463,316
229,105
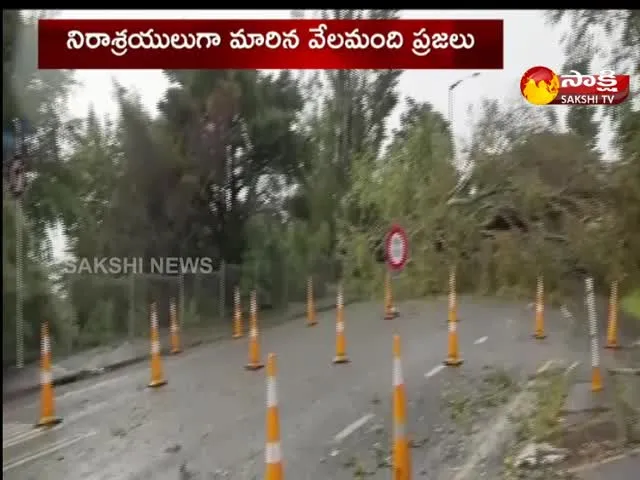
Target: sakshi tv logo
x,y
542,86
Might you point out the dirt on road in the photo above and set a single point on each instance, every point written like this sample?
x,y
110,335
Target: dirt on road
x,y
208,422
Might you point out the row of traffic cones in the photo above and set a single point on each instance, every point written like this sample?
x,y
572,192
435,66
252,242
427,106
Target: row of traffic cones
x,y
612,321
157,372
273,456
254,361
401,468
612,329
48,416
390,310
401,454
238,327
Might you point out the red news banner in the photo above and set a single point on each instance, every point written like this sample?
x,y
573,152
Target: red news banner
x,y
270,44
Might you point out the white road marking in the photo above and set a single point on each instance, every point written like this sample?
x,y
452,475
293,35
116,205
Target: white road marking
x,y
74,393
353,427
27,435
46,451
434,371
545,366
94,386
11,429
29,432
96,407
99,406
571,367
480,340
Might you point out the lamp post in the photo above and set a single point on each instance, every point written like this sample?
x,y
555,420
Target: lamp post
x,y
462,180
452,87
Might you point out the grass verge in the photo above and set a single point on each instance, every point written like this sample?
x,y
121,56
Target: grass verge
x,y
467,403
586,437
543,424
631,304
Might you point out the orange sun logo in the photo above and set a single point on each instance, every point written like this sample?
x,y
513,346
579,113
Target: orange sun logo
x,y
539,85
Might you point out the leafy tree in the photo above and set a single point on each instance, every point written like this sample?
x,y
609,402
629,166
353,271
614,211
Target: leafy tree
x,y
614,35
236,132
409,185
282,176
581,118
38,98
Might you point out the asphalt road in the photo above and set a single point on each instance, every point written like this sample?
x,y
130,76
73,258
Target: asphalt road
x,y
622,468
208,422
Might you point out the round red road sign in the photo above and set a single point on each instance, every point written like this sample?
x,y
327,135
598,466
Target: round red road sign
x,y
396,247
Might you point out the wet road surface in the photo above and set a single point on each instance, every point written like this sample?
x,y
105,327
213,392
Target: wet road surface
x,y
208,422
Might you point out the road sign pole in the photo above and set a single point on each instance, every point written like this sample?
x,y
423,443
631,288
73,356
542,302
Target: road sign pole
x,y
397,253
390,311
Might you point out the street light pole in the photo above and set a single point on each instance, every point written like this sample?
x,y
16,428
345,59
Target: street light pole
x,y
460,182
452,87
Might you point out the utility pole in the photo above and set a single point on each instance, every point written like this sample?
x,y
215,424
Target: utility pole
x,y
17,186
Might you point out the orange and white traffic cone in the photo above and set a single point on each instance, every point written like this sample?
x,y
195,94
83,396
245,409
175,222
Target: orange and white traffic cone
x,y
453,300
157,375
254,342
596,379
175,329
596,374
341,342
389,309
237,314
311,307
612,327
453,356
539,331
47,401
401,453
273,451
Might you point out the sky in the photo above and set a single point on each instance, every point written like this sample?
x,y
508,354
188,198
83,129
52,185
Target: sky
x,y
528,41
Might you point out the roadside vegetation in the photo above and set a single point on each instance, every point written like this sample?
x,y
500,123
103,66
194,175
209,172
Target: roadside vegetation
x,y
542,423
565,441
631,304
277,177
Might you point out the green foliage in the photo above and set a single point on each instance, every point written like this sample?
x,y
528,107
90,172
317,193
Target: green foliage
x,y
38,97
410,185
279,177
39,300
631,304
